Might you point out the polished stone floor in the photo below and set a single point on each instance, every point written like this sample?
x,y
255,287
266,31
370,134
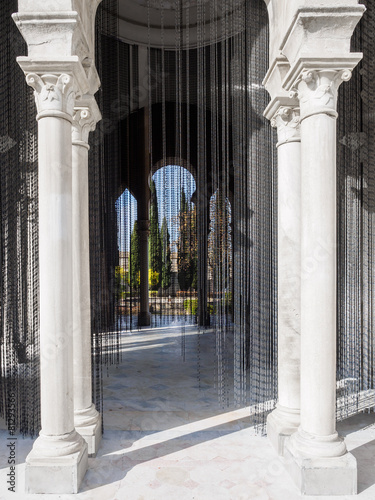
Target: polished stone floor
x,y
168,437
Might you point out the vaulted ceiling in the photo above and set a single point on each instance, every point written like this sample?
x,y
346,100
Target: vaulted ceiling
x,y
141,21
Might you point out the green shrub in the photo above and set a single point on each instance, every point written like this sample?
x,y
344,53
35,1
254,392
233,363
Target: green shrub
x,y
191,306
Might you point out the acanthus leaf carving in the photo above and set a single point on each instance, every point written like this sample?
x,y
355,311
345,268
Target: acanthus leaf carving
x,y
53,92
83,123
287,122
317,90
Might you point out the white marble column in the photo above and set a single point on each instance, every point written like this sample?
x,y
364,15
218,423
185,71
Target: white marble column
x,y
87,420
60,67
317,456
285,419
58,460
144,318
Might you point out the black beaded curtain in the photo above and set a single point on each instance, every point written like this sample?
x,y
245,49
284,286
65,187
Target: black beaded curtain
x,y
237,169
19,293
356,227
104,185
19,312
206,103
190,84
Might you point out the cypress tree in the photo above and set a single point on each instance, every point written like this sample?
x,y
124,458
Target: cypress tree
x,y
193,248
155,247
166,256
135,260
187,246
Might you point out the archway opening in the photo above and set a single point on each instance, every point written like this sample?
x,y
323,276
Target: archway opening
x,y
127,273
172,251
172,247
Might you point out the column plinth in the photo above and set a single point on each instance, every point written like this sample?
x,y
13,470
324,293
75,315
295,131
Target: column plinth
x,y
316,456
285,419
58,460
144,317
87,419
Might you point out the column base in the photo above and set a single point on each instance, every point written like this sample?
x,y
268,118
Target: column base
x,y
92,434
144,319
281,423
321,475
55,474
89,425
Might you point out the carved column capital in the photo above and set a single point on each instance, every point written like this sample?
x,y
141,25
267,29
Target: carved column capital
x,y
287,122
85,117
83,123
317,90
54,94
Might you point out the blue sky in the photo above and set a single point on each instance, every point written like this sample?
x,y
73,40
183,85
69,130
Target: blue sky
x,y
168,181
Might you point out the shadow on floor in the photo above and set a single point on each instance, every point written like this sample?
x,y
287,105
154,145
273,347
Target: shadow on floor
x,y
365,465
113,461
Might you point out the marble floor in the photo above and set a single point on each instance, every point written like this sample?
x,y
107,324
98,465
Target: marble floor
x,y
167,436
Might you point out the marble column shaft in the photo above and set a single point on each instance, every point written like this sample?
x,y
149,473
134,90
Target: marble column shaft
x,y
58,459
55,249
317,92
284,420
316,456
86,417
60,68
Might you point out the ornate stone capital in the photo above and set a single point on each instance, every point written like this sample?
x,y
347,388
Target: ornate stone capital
x,y
280,103
54,94
317,89
287,122
83,123
85,117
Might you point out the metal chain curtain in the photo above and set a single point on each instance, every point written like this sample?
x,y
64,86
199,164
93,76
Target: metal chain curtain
x,y
205,108
356,229
104,160
227,211
205,114
19,293
19,316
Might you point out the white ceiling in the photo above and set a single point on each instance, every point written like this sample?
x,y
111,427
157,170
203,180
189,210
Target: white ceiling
x,y
140,21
